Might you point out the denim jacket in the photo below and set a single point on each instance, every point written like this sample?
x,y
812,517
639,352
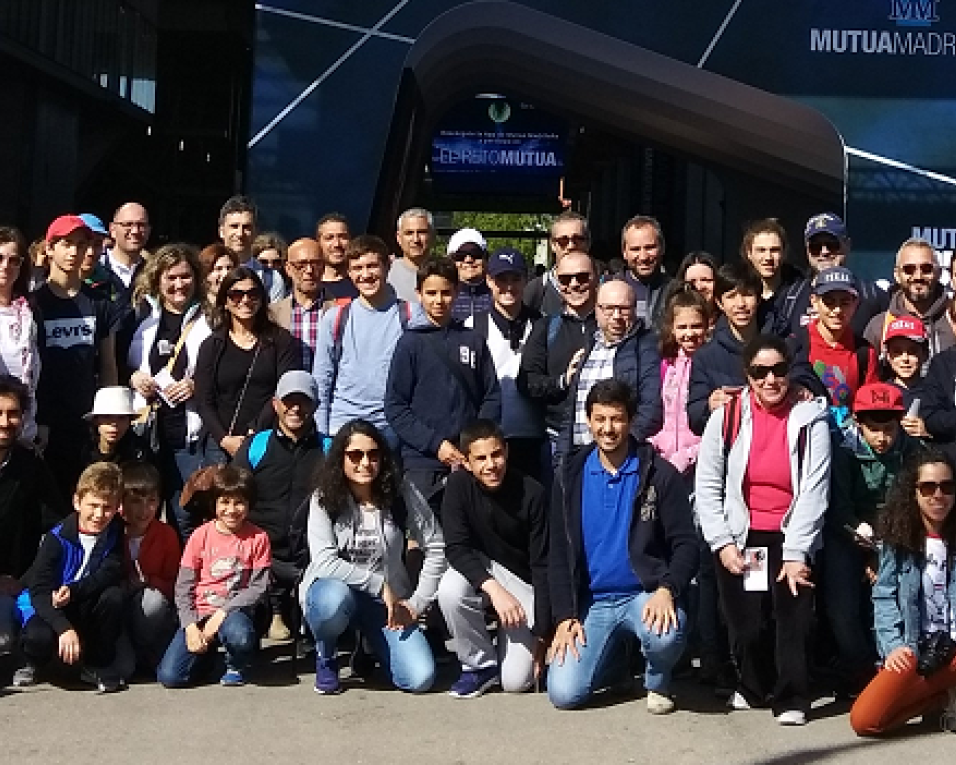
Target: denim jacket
x,y
896,599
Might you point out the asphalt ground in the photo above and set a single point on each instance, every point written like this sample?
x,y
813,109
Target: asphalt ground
x,y
278,719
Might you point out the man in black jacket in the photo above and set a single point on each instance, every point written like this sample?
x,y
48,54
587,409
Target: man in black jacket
x,y
283,462
623,551
939,393
496,542
30,504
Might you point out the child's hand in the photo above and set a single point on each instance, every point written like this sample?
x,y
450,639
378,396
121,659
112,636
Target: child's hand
x,y
69,648
195,639
61,597
915,427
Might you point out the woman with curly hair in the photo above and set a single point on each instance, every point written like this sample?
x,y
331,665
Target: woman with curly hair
x,y
163,356
360,513
914,600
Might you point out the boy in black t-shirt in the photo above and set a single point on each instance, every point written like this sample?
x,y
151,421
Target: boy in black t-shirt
x,y
76,350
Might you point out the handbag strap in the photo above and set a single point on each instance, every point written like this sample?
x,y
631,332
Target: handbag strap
x,y
245,386
180,343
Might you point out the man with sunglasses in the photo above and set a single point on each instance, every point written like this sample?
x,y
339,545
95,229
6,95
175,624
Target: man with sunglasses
x,y
558,344
642,247
283,462
569,233
918,292
827,245
467,247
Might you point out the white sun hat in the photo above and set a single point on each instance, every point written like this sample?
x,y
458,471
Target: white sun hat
x,y
115,400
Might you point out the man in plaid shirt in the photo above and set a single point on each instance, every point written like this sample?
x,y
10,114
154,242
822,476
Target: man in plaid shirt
x,y
623,349
301,312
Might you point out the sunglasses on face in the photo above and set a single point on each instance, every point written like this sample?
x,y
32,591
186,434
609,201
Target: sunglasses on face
x,y
832,244
565,241
355,456
236,295
929,488
925,269
584,277
760,371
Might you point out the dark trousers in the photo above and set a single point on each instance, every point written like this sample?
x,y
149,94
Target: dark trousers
x,y
769,632
65,453
98,621
529,456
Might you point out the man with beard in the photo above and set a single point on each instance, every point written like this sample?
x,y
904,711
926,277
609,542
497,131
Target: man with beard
x,y
918,293
332,234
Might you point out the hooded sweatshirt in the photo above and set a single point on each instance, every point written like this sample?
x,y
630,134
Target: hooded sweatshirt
x,y
425,401
675,441
936,319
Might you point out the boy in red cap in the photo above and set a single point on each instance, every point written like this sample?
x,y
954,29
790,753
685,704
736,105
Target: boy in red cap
x,y
864,466
76,350
905,353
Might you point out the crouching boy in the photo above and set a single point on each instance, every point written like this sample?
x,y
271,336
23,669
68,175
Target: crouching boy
x,y
151,564
72,606
496,542
223,576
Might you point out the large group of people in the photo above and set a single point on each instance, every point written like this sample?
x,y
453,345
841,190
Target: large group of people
x,y
568,479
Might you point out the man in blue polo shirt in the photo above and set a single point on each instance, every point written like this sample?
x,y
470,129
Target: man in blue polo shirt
x,y
623,552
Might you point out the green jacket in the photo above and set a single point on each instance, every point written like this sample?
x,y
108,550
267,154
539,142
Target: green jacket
x,y
860,478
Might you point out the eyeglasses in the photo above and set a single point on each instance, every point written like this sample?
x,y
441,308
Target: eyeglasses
x,y
236,295
925,269
583,277
128,225
303,265
760,371
355,456
929,488
565,241
624,310
12,260
462,255
816,245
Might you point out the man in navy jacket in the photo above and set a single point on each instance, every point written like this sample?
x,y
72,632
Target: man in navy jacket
x,y
623,550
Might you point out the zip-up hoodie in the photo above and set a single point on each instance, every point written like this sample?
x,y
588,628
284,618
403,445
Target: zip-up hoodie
x,y
57,563
675,441
936,320
661,540
861,478
721,508
425,403
330,540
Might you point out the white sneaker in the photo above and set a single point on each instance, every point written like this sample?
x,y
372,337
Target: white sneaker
x,y
659,704
25,676
738,702
792,717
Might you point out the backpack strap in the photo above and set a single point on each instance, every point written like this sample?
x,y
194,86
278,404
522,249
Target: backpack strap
x,y
342,309
862,354
257,447
404,313
801,450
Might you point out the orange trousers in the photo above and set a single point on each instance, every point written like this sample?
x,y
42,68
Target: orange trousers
x,y
894,698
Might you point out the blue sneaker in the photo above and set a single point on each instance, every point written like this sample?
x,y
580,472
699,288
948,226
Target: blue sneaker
x,y
326,676
474,682
232,678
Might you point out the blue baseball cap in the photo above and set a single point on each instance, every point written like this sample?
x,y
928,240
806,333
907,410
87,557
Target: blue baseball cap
x,y
94,224
506,260
835,279
825,223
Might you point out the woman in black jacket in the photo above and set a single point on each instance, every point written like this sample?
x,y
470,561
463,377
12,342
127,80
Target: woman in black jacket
x,y
239,365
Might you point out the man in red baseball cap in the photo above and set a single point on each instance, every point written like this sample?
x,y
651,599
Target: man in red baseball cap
x,y
76,350
863,468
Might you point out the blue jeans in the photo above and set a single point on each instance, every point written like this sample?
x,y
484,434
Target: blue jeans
x,y
332,607
177,466
239,640
571,684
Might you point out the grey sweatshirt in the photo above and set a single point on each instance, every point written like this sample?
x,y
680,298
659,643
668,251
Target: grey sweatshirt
x,y
330,542
721,509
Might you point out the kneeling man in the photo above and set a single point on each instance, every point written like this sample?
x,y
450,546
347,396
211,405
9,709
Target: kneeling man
x,y
623,550
496,542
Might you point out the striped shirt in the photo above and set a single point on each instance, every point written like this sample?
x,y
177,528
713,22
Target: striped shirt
x,y
304,327
598,366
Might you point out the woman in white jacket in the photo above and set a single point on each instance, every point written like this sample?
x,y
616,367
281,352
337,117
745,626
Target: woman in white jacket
x,y
763,476
356,576
163,354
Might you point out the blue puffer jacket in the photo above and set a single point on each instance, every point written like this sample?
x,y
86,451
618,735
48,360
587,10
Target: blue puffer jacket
x,y
896,599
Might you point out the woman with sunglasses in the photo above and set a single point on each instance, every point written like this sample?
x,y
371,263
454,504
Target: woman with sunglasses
x,y
358,520
763,474
914,599
19,355
240,364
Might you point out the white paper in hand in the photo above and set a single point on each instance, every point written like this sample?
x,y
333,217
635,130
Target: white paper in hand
x,y
756,575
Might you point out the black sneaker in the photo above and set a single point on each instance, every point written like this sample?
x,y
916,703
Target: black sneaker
x,y
474,682
103,680
362,662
